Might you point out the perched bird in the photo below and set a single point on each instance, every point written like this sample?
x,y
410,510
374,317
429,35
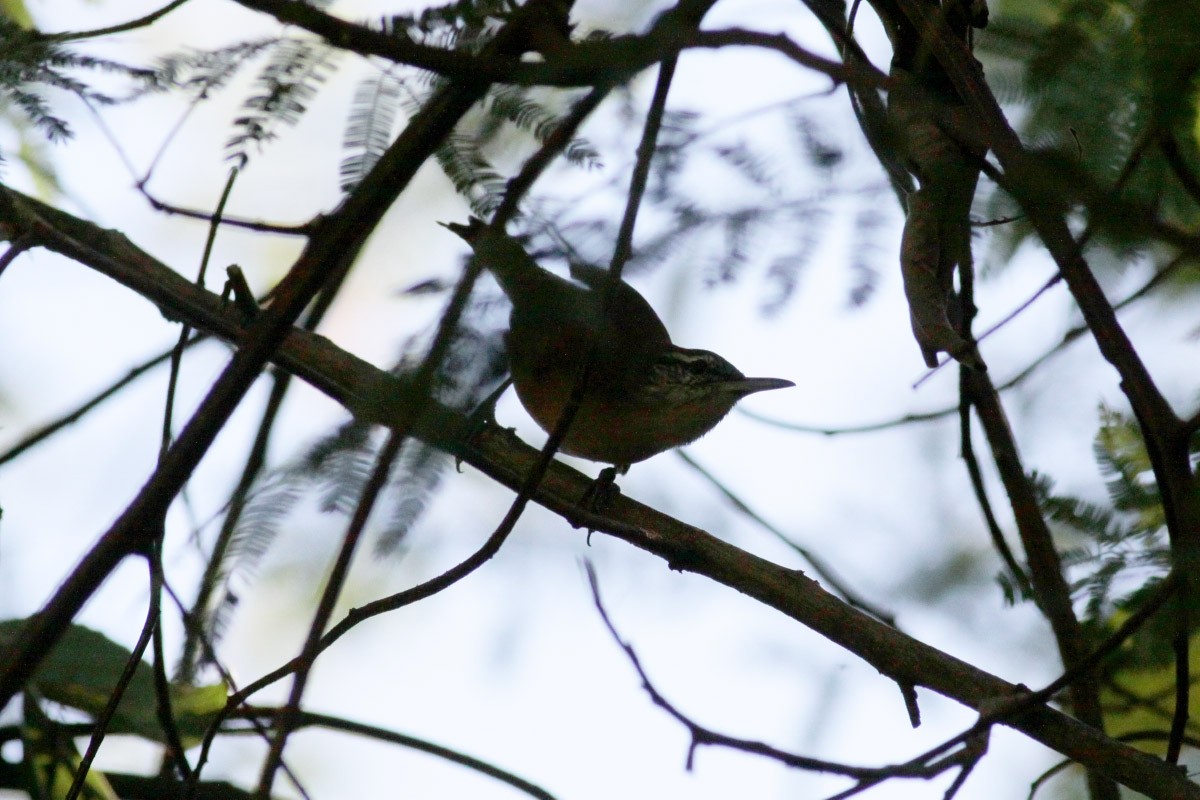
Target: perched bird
x,y
643,393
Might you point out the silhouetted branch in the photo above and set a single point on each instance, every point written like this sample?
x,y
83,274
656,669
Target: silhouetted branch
x,y
1015,570
818,564
700,735
50,428
375,396
134,24
312,719
587,63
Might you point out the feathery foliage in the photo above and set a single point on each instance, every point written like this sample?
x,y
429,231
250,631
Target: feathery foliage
x,y
336,468
283,90
369,127
31,63
201,73
1125,543
1104,86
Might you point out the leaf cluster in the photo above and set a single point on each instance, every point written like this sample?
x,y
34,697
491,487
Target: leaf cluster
x,y
77,679
1125,552
31,64
335,470
1109,88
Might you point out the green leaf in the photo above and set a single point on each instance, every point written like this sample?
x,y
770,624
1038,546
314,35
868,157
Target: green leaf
x,y
1138,698
52,759
83,669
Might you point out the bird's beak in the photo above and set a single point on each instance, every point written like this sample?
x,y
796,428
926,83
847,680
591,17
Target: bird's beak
x,y
751,385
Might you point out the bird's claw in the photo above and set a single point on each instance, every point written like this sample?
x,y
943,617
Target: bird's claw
x,y
602,491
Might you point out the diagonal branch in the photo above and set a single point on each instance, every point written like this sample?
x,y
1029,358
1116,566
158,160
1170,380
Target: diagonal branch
x,y
335,240
588,63
1022,175
376,396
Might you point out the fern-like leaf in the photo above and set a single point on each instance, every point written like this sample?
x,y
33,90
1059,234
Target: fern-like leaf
x,y
284,87
472,369
369,131
472,173
30,63
257,529
204,72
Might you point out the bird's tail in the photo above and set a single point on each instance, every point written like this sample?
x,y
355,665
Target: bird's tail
x,y
519,275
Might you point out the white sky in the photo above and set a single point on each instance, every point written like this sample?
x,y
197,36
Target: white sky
x,y
513,666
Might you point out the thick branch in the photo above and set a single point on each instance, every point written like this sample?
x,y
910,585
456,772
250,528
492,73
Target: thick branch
x,y
1164,432
377,396
335,241
588,63
1045,568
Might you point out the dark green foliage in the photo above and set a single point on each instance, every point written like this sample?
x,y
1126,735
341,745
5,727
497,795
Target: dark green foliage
x,y
1125,543
82,670
1171,61
1102,84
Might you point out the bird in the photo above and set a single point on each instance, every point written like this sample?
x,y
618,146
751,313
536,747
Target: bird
x,y
643,393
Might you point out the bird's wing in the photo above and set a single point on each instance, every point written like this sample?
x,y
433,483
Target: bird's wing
x,y
629,310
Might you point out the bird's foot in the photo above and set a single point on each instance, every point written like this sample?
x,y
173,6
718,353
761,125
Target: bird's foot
x,y
601,492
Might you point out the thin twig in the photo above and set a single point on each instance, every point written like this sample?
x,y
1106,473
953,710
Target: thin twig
x,y
312,719
140,22
706,736
110,709
15,248
976,475
285,721
818,564
141,181
930,416
303,229
866,427
623,248
210,654
991,223
50,428
1010,708
1181,648
185,331
176,753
